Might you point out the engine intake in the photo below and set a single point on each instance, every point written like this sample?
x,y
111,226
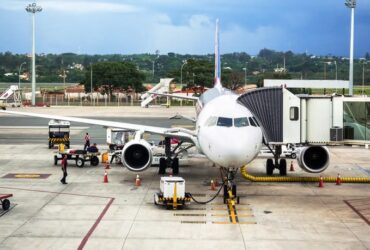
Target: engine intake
x,y
314,159
137,155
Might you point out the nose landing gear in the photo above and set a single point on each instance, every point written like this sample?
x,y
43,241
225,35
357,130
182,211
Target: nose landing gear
x,y
230,195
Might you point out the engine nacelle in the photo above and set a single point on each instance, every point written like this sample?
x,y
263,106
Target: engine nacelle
x,y
313,159
137,155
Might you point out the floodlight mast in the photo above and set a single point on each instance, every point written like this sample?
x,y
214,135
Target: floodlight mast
x,y
351,4
33,9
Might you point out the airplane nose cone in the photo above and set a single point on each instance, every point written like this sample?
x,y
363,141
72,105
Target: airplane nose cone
x,y
233,148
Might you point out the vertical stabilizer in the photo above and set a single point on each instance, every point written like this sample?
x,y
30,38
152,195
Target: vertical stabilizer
x,y
217,60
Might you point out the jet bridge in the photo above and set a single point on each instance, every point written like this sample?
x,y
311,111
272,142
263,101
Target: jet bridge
x,y
298,119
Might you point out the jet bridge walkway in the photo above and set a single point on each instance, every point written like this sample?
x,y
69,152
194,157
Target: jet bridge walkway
x,y
298,119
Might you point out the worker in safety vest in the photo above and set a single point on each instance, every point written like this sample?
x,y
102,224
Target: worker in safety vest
x,y
87,141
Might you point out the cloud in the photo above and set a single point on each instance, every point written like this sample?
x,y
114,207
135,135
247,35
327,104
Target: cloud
x,y
73,6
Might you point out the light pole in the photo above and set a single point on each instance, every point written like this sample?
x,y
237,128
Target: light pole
x,y
185,62
91,79
325,70
351,4
19,75
33,9
336,70
245,73
363,76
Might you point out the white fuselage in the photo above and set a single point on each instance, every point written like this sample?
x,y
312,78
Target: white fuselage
x,y
228,134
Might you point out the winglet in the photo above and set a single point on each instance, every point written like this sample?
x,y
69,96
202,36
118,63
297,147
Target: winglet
x,y
217,83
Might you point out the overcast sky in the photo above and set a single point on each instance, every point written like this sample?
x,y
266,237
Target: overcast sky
x,y
318,27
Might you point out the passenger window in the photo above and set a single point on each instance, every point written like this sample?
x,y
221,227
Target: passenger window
x,y
212,121
225,122
293,114
241,122
252,122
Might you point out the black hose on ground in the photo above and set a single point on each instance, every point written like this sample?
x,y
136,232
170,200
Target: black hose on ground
x,y
214,197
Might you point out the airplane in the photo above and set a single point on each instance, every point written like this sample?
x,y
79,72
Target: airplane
x,y
226,132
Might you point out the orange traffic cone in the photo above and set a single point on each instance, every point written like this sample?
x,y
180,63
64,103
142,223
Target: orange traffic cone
x,y
137,181
216,183
338,181
291,166
105,177
107,166
321,182
213,186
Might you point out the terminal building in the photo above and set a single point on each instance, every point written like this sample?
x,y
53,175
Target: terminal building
x,y
321,119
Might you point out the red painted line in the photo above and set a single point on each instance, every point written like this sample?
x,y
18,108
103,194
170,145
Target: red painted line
x,y
358,212
87,236
92,229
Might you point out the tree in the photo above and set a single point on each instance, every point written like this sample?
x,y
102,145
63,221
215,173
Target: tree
x,y
114,75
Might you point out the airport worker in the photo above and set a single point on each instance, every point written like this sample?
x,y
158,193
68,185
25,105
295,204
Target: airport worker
x,y
64,169
93,149
87,141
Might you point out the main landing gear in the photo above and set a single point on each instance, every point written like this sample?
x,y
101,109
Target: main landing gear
x,y
271,164
171,159
229,186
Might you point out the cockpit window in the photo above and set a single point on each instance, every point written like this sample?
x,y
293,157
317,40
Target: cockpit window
x,y
252,122
212,121
241,122
224,122
255,120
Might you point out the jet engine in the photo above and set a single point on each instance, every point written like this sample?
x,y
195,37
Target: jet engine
x,y
313,159
137,155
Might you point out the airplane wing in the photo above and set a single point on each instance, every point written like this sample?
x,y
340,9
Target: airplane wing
x,y
180,133
191,98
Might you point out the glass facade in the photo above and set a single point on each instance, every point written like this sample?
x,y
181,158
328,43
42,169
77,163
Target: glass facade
x,y
356,121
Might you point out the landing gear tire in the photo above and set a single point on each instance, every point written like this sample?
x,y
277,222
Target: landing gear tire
x,y
226,194
162,166
233,190
269,167
175,166
282,167
293,156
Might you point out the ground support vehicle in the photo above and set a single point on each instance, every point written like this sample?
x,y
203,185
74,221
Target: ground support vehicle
x,y
5,203
172,193
59,132
79,156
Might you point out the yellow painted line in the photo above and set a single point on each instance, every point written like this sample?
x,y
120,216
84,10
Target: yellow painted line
x,y
221,222
27,176
248,222
232,213
244,209
245,215
221,215
228,215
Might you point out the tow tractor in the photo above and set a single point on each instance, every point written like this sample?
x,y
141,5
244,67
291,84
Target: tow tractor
x,y
172,193
79,156
59,133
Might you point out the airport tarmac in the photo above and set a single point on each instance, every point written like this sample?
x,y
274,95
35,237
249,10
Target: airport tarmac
x,y
90,214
